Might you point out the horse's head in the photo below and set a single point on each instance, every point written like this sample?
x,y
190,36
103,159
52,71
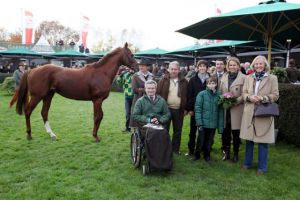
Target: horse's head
x,y
128,58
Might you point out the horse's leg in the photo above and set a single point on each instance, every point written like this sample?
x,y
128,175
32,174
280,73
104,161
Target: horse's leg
x,y
98,115
28,110
46,105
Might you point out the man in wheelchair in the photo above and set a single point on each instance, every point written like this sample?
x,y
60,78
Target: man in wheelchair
x,y
152,114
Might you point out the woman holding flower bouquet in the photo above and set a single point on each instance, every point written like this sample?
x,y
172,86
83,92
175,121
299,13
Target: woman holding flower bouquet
x,y
231,86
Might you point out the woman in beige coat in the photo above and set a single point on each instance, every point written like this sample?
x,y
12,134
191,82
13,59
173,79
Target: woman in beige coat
x,y
259,87
232,81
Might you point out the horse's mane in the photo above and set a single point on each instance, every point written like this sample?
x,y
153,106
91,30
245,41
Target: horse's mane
x,y
103,60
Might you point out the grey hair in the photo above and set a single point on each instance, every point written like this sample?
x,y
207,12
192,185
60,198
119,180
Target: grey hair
x,y
263,58
151,82
174,63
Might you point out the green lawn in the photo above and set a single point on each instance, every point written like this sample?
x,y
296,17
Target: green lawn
x,y
75,167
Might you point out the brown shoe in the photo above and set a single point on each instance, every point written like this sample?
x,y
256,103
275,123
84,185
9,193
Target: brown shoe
x,y
244,167
259,173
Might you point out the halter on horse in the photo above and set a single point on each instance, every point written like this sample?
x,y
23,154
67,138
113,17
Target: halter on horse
x,y
91,83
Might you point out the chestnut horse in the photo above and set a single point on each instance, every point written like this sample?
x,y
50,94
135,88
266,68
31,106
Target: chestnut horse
x,y
91,83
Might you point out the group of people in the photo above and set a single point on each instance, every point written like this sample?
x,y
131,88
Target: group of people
x,y
173,97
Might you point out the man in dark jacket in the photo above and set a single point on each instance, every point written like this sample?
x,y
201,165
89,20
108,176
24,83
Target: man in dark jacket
x,y
173,88
292,72
138,83
195,85
18,74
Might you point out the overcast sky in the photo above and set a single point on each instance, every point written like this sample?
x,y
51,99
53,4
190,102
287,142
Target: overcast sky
x,y
155,20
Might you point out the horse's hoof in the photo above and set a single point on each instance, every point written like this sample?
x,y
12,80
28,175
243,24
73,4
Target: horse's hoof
x,y
29,137
53,138
97,139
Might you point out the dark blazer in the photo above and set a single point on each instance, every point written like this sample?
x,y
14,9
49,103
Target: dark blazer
x,y
194,87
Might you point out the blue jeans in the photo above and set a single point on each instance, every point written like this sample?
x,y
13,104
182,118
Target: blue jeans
x,y
262,155
128,103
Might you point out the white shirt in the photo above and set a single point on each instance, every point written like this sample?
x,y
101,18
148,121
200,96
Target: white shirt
x,y
258,83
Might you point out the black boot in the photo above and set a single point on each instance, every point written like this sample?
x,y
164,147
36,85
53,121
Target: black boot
x,y
236,145
235,157
226,154
196,156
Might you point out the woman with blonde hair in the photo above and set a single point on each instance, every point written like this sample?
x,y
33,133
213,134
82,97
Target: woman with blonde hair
x,y
232,81
260,87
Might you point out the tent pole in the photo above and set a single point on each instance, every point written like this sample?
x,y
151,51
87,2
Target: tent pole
x,y
288,53
269,37
269,49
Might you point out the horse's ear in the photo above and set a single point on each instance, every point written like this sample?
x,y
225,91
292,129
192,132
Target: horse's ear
x,y
126,45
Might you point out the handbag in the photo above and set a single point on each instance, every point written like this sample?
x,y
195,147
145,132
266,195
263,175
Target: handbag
x,y
266,110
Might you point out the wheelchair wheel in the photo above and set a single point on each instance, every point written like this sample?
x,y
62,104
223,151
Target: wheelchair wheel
x,y
135,149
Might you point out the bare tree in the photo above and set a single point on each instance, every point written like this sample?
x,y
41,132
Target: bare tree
x,y
3,34
109,40
54,31
15,37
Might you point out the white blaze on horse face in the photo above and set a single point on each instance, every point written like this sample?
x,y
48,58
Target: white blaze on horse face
x,y
49,130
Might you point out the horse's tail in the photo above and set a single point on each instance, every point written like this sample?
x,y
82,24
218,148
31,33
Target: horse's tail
x,y
22,94
14,98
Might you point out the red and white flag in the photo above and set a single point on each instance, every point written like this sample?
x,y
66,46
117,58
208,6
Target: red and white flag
x,y
28,25
84,31
218,12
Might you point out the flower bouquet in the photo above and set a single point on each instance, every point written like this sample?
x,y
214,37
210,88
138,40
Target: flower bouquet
x,y
227,100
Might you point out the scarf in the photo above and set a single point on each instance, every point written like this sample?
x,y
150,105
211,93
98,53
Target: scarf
x,y
258,76
203,77
231,78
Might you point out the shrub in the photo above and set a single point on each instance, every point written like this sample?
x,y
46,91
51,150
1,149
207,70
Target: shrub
x,y
281,74
8,85
3,76
288,121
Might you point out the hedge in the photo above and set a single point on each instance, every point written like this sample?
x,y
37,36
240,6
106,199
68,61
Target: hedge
x,y
3,76
288,123
8,85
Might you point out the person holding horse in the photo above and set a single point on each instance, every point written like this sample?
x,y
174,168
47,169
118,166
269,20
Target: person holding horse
x,y
138,83
124,79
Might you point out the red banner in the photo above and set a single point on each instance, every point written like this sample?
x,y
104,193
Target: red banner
x,y
28,33
84,32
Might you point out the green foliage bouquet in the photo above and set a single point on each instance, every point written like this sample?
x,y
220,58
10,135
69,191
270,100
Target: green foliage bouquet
x,y
227,100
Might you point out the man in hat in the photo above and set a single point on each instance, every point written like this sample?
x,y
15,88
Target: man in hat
x,y
138,83
18,74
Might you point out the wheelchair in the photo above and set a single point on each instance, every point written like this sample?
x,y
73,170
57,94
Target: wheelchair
x,y
137,151
144,143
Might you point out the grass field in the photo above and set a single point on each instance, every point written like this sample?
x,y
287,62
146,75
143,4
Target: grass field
x,y
75,167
